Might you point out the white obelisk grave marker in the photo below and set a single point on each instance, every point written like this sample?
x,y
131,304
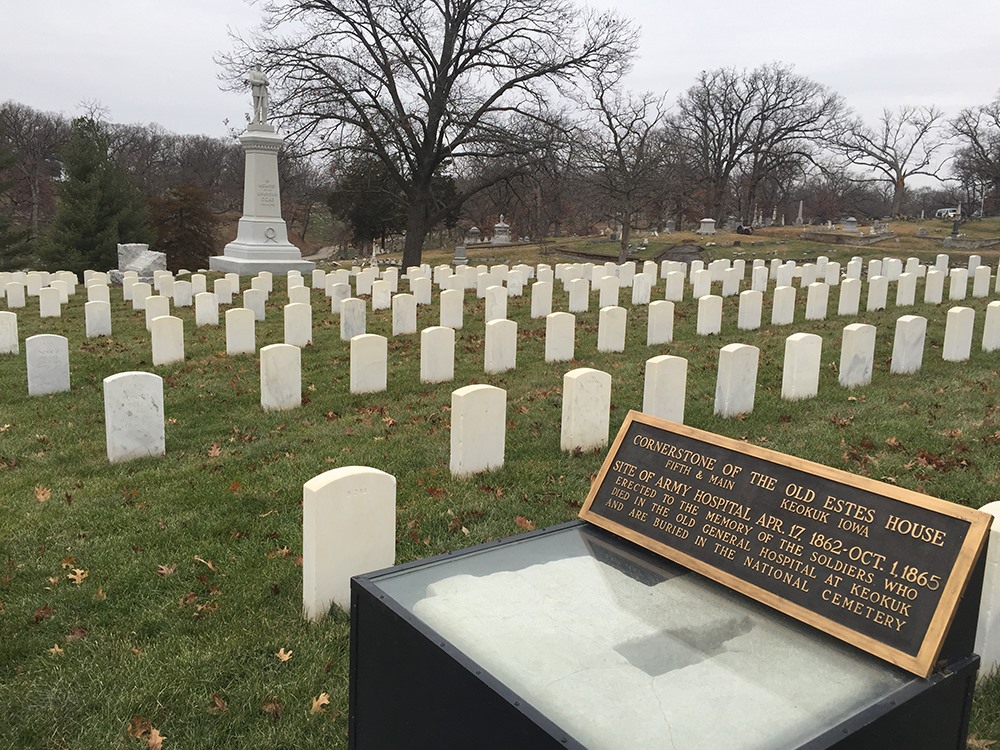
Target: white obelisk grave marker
x,y
261,242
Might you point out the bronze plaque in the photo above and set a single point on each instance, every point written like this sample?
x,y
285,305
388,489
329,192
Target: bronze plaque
x,y
880,567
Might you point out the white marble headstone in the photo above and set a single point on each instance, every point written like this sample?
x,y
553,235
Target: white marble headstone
x,y
8,333
437,354
560,336
800,374
369,368
241,331
478,429
348,528
47,364
665,387
298,324
857,355
404,314
660,323
611,329
500,346
133,416
586,409
736,383
167,337
280,377
451,312
97,318
908,344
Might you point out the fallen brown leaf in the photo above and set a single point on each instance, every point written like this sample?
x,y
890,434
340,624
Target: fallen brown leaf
x,y
975,743
189,598
219,705
318,703
155,739
42,493
273,709
524,523
55,650
43,613
207,607
283,655
207,563
166,570
138,726
78,575
76,634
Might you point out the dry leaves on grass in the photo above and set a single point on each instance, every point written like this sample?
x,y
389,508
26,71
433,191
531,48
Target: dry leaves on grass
x,y
55,650
43,613
166,570
207,563
218,705
975,743
155,739
42,494
319,703
78,575
524,523
272,708
283,655
142,729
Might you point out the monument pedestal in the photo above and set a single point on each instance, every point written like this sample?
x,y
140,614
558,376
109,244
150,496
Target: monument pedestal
x,y
261,242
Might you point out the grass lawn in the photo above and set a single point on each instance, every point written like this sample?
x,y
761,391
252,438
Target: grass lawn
x,y
164,595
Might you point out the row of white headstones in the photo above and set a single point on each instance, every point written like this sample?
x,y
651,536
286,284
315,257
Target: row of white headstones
x,y
48,365
134,409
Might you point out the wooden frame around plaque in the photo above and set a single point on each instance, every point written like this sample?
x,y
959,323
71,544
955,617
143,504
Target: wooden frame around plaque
x,y
873,564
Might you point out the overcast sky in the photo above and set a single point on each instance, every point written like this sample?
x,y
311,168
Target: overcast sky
x,y
152,60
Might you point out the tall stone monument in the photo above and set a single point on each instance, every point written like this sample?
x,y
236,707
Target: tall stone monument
x,y
261,242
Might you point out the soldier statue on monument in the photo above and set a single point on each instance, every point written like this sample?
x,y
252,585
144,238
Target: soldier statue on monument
x,y
258,88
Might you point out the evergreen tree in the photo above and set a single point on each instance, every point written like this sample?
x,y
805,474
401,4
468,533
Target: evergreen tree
x,y
185,227
14,251
98,206
368,201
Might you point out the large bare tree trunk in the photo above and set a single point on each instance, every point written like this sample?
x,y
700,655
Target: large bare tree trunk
x,y
416,230
898,191
626,234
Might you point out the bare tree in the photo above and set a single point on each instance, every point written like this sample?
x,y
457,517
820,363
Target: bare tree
x,y
426,84
35,140
623,153
906,142
977,130
751,120
144,152
539,199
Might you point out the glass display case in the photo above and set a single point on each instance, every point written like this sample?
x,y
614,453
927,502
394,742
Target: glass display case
x,y
573,637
